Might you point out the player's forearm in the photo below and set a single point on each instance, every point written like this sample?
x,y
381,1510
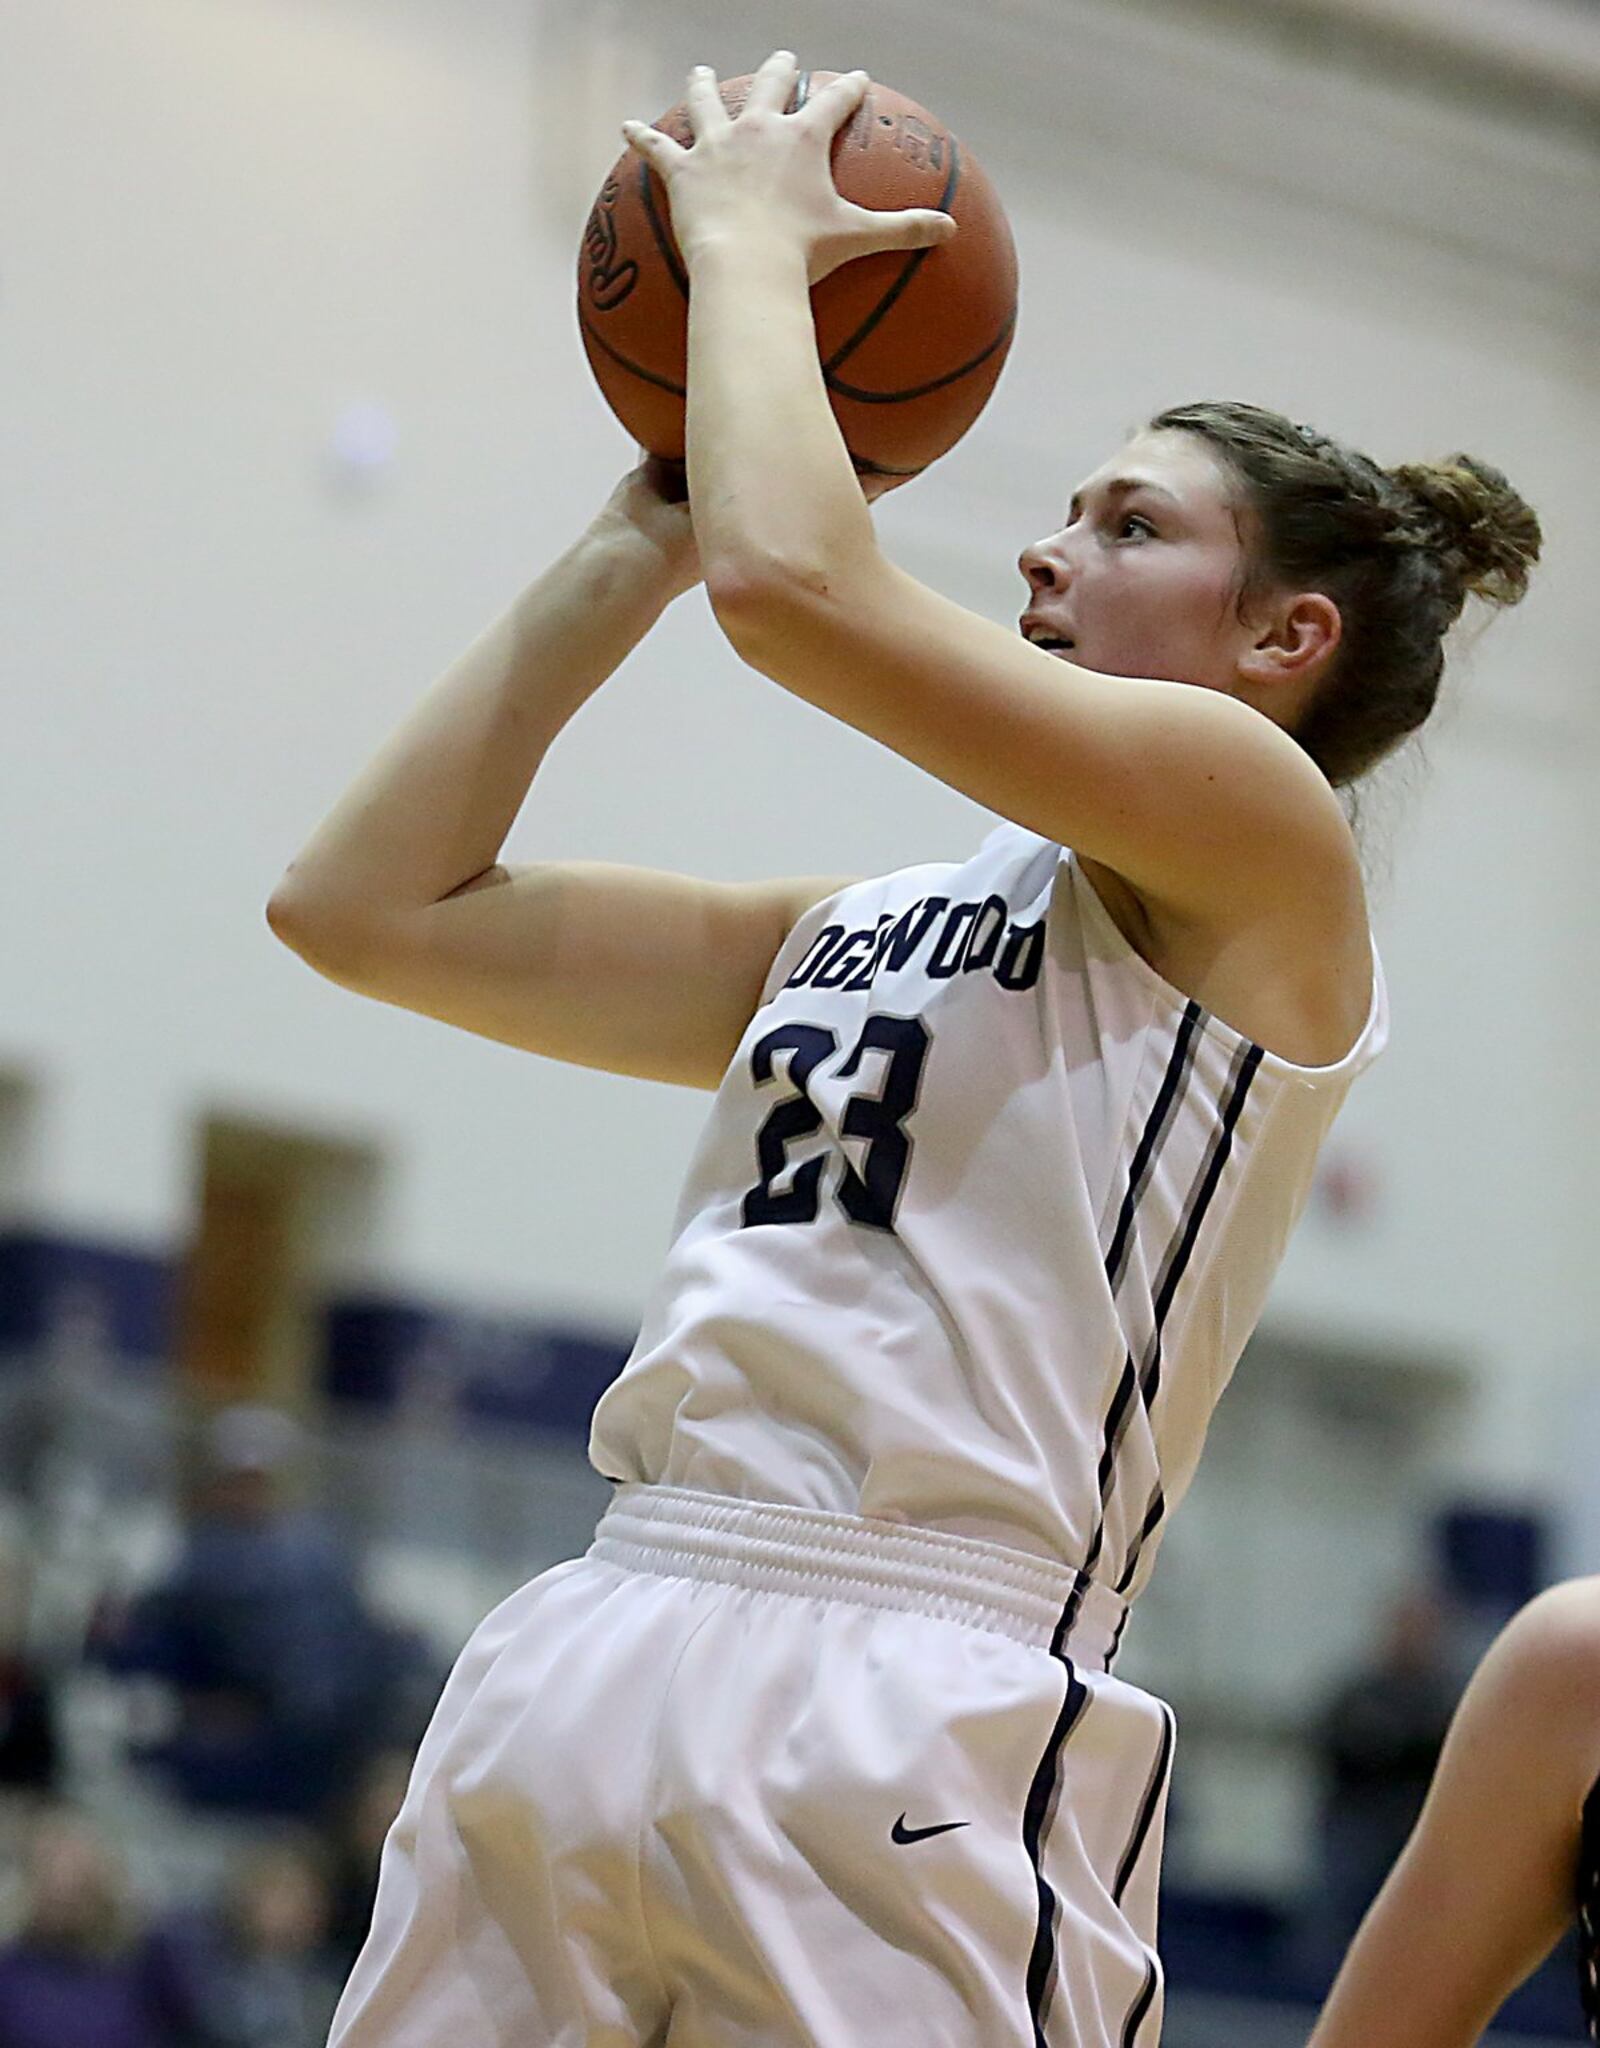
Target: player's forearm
x,y
774,491
433,808
1383,1999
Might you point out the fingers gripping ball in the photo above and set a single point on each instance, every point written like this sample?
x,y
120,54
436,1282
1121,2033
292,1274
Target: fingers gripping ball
x,y
911,345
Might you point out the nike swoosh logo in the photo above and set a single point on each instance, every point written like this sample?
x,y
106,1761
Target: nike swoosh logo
x,y
901,1833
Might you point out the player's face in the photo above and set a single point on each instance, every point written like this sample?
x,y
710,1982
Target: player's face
x,y
1144,577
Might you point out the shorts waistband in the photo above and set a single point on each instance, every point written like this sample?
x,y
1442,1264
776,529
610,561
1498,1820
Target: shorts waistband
x,y
678,1533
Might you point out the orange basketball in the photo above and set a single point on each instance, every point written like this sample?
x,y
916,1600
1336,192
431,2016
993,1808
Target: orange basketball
x,y
911,344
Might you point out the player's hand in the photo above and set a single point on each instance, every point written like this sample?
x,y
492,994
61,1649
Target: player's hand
x,y
873,487
767,173
652,503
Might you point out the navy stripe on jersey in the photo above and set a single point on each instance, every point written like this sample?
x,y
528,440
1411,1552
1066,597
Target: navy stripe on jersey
x,y
1141,2005
1180,1065
1045,1788
1116,1425
1246,1062
1159,1123
1149,1807
1042,1795
1145,1382
1152,1520
1246,1065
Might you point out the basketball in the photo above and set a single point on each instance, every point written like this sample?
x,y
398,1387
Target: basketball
x,y
911,344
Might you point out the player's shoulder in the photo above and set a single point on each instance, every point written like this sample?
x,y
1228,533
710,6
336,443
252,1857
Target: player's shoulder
x,y
1548,1668
1530,1715
1559,1630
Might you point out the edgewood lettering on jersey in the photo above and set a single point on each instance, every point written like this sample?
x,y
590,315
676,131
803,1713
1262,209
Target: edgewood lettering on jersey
x,y
945,938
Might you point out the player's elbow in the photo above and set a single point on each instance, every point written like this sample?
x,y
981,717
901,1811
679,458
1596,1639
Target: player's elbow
x,y
289,915
326,938
741,588
765,606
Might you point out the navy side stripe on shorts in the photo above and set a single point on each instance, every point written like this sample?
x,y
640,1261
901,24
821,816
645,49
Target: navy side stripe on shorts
x,y
1141,2005
1035,1819
1160,1771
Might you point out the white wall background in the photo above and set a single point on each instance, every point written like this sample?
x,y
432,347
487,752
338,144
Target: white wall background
x,y
223,224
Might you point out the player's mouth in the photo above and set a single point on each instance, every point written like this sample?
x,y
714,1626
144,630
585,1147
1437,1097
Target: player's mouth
x,y
1046,637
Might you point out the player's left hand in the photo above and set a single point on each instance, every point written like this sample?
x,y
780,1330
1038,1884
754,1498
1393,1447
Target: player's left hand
x,y
767,174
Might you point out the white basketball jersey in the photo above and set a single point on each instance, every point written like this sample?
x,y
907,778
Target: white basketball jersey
x,y
983,1215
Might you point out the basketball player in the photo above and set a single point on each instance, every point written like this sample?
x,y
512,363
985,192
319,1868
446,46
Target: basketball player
x,y
820,1742
1506,1849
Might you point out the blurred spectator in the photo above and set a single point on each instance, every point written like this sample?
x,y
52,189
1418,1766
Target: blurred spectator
x,y
357,1844
1379,1737
30,1758
252,1970
285,1682
78,1974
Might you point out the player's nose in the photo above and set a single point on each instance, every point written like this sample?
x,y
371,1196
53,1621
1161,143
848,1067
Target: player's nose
x,y
1044,565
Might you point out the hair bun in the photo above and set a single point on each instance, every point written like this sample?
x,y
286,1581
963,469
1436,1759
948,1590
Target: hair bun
x,y
1486,531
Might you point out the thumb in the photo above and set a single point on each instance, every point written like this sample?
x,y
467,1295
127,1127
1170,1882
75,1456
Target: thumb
x,y
915,228
863,232
932,228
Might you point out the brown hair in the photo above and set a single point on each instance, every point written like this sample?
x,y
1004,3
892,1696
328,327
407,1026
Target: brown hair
x,y
1398,550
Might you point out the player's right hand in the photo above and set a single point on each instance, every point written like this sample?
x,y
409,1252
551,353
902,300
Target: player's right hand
x,y
653,501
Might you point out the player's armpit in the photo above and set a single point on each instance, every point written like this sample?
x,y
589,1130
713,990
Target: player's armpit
x,y
628,969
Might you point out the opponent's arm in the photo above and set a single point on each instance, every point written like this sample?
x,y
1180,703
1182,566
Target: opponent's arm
x,y
399,894
1484,1888
1199,802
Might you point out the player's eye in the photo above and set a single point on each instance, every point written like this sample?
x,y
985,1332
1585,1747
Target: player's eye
x,y
1135,523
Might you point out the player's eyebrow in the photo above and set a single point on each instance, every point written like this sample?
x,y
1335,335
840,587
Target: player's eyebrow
x,y
1123,487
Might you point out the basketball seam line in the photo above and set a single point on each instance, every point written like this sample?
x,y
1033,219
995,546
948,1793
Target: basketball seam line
x,y
592,333
922,390
658,228
844,390
862,463
870,324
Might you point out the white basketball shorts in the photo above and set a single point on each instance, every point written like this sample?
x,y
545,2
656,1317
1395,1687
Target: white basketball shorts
x,y
764,1777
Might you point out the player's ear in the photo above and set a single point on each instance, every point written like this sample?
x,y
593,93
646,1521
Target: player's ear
x,y
1295,636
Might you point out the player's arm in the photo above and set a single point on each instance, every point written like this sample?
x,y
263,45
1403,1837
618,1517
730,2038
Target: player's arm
x,y
1205,807
399,893
629,969
1202,805
1484,1888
